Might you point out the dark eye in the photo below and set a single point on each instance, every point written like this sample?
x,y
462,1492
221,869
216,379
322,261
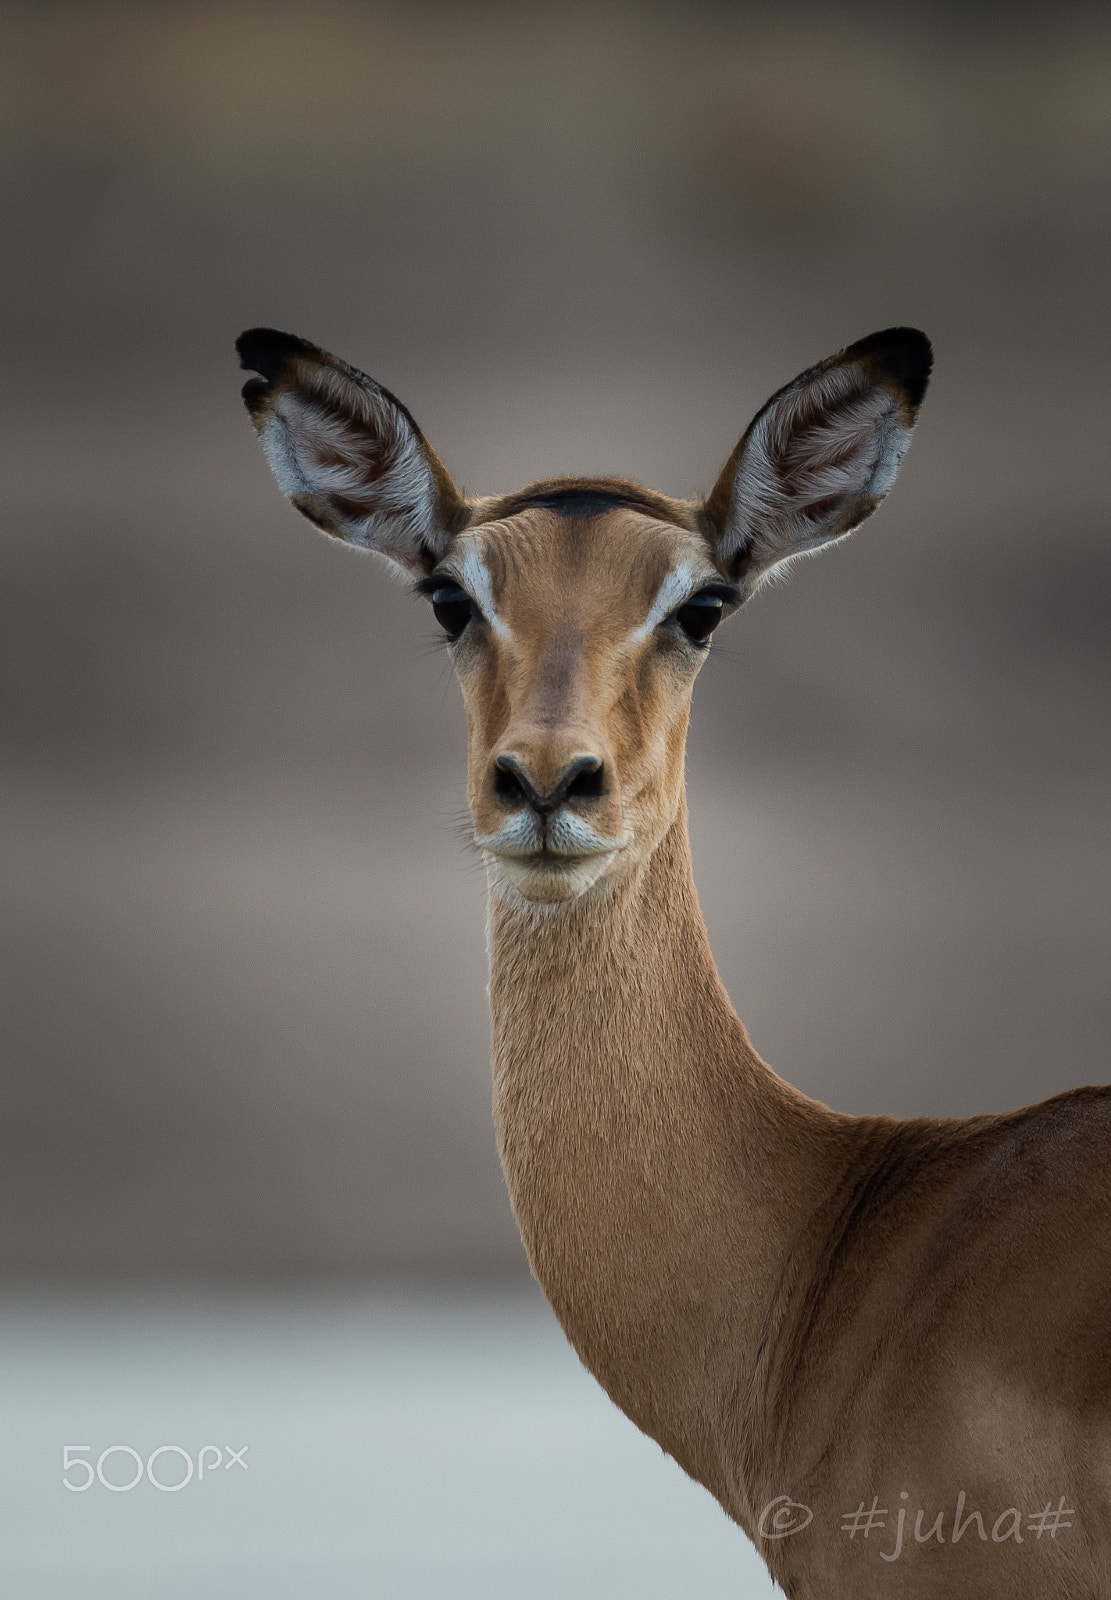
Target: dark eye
x,y
700,616
452,607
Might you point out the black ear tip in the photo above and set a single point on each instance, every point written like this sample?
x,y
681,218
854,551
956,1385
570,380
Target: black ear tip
x,y
267,350
904,354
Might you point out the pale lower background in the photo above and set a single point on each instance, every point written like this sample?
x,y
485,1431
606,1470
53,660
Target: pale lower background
x,y
403,1444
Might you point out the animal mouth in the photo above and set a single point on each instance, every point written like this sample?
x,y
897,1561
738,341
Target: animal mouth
x,y
561,849
545,870
546,856
546,851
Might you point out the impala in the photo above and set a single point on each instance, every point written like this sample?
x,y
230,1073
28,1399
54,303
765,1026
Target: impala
x,y
809,1311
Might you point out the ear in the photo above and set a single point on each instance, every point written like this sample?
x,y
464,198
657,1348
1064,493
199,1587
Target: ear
x,y
348,455
819,457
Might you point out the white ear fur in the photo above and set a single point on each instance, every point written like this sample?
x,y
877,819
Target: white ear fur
x,y
348,454
820,456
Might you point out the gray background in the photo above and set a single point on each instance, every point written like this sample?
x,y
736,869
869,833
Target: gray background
x,y
243,944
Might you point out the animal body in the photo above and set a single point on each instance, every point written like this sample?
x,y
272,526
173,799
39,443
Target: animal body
x,y
811,1312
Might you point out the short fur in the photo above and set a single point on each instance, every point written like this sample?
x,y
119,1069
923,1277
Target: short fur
x,y
798,1305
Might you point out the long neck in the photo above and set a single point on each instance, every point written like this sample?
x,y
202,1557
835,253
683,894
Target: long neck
x,y
659,1170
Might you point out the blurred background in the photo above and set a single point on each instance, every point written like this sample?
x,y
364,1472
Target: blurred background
x,y
246,1031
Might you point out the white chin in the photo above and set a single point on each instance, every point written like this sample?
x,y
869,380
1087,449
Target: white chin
x,y
546,880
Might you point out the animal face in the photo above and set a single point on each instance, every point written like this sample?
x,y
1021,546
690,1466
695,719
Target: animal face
x,y
576,637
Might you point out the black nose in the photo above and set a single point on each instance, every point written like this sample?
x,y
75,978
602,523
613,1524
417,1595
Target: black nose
x,y
584,779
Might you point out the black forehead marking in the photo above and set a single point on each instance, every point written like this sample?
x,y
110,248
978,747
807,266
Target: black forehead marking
x,y
581,502
588,500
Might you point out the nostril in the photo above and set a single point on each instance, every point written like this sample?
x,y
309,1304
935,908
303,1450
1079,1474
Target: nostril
x,y
507,780
589,781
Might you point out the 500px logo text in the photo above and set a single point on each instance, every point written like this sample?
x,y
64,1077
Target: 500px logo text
x,y
120,1468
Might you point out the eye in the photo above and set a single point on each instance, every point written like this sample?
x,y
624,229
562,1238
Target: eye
x,y
452,607
700,615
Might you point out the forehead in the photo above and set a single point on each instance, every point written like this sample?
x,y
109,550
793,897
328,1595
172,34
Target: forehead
x,y
612,558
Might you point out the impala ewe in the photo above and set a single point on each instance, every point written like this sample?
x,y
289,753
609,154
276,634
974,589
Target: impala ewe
x,y
809,1311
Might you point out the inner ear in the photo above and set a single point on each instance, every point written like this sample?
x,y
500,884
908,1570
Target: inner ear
x,y
347,453
820,456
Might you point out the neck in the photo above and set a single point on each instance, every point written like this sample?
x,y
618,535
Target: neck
x,y
659,1170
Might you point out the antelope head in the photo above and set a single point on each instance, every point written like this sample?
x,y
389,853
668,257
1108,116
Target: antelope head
x,y
578,612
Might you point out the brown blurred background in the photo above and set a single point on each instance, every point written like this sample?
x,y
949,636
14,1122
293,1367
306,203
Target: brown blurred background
x,y
243,944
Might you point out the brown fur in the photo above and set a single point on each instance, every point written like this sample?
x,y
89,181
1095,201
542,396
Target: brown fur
x,y
793,1302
